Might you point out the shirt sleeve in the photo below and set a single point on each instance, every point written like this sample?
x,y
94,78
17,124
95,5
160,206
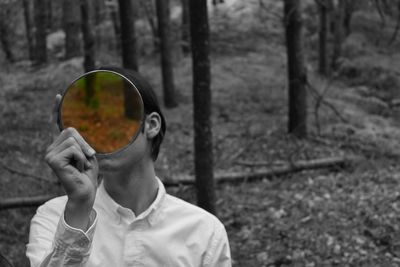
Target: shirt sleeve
x,y
219,254
58,244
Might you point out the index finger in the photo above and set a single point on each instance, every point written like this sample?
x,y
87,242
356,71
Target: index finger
x,y
72,132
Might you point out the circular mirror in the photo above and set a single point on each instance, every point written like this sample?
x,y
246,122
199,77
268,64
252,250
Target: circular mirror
x,y
105,108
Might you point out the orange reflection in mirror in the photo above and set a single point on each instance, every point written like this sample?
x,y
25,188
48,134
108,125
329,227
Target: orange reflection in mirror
x,y
104,108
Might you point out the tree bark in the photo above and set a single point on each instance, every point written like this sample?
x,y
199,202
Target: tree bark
x,y
297,77
88,35
185,43
323,36
28,29
203,154
128,39
162,7
40,14
72,27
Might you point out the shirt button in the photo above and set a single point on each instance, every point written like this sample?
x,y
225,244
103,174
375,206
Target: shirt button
x,y
83,242
138,227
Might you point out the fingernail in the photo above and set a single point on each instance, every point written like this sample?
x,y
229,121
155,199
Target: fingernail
x,y
91,152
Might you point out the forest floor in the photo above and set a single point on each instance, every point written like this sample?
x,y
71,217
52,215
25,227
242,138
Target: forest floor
x,y
329,217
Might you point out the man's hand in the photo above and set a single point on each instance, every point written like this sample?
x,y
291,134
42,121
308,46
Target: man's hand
x,y
75,165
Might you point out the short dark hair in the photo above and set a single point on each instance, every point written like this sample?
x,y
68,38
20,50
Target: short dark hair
x,y
150,103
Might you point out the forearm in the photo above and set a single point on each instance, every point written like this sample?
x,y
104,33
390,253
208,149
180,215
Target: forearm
x,y
66,245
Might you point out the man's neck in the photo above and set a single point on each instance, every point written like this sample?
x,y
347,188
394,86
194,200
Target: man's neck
x,y
134,188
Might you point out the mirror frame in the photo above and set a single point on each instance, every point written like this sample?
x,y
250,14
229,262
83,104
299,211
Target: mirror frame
x,y
141,122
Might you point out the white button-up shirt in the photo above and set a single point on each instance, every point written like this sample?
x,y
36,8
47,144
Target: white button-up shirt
x,y
171,232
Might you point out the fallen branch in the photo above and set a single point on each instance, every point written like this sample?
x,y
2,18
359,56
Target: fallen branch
x,y
4,166
266,173
303,164
231,177
260,163
19,202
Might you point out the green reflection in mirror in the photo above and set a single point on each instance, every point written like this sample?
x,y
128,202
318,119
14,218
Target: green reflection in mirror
x,y
105,108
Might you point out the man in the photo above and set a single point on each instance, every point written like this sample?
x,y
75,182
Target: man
x,y
128,219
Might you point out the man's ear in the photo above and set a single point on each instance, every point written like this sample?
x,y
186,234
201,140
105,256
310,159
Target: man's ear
x,y
152,125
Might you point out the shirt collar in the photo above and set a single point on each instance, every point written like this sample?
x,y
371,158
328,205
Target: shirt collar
x,y
152,214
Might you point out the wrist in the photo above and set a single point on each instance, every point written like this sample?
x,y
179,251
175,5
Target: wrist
x,y
77,214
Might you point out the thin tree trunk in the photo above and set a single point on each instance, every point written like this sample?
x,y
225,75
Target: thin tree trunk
x,y
163,19
128,45
28,29
348,14
200,39
72,28
49,15
323,24
5,42
338,33
128,39
117,27
40,31
149,11
185,28
296,70
100,12
88,35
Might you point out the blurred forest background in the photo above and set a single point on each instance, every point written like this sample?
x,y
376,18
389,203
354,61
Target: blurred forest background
x,y
296,107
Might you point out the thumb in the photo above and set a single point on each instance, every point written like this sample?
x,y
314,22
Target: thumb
x,y
54,118
92,170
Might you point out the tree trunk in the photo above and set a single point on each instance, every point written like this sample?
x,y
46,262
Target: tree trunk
x,y
163,19
28,29
297,76
128,39
88,35
338,33
40,31
200,39
323,35
72,27
185,28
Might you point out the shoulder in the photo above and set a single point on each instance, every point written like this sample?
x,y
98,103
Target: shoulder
x,y
47,216
191,214
53,207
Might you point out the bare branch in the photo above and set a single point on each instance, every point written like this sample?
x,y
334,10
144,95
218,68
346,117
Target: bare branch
x,y
396,30
320,97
